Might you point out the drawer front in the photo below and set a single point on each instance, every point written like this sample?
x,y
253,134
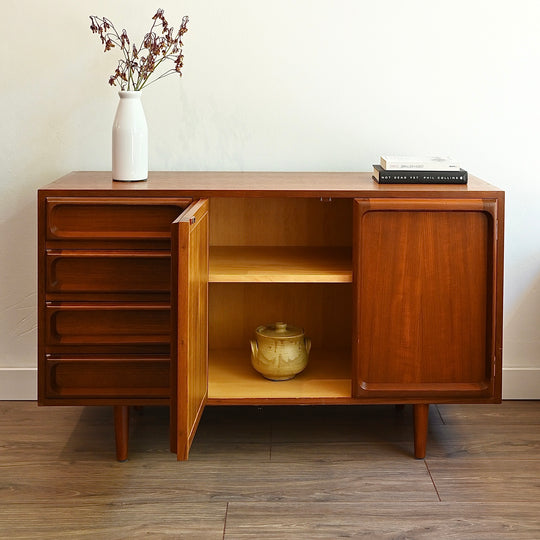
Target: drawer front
x,y
112,218
99,377
102,324
108,272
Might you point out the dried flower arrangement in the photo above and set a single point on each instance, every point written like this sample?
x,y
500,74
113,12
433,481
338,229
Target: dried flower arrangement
x,y
138,65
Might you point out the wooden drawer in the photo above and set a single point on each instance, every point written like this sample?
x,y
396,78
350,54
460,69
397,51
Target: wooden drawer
x,y
77,271
104,324
106,377
111,218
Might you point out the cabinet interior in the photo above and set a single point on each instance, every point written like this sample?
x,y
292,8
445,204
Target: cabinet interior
x,y
280,259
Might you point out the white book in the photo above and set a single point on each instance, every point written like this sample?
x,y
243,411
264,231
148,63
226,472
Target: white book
x,y
419,163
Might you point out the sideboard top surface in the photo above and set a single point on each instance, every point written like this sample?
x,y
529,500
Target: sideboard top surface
x,y
263,184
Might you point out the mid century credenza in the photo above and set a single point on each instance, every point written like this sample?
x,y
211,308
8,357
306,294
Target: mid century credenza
x,y
149,292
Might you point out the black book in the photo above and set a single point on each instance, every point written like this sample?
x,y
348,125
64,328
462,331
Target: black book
x,y
418,177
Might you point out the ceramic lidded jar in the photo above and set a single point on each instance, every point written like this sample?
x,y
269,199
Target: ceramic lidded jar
x,y
280,351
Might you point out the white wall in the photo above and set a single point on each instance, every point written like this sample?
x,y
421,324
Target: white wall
x,y
278,85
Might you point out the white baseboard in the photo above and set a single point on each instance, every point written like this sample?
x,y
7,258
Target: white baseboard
x,y
21,383
18,384
521,383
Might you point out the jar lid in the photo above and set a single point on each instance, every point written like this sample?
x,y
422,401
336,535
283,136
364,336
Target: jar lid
x,y
279,330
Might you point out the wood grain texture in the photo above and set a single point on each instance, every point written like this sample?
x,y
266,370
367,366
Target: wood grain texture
x,y
107,218
104,295
115,378
121,431
322,310
513,413
90,237
80,271
285,221
475,441
231,377
425,323
377,521
200,481
115,521
106,324
190,322
421,420
512,480
256,184
269,472
238,264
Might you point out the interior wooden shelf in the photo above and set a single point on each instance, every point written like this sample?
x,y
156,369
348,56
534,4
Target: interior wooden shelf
x,y
231,376
283,264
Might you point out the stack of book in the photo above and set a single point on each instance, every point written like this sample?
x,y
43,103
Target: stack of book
x,y
418,170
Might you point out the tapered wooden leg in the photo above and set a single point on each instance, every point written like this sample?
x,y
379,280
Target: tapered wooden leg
x,y
121,431
421,415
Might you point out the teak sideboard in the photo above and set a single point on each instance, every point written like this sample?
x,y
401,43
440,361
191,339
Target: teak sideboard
x,y
149,292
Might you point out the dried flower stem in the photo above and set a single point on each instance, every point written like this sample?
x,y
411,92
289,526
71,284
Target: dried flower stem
x,y
139,64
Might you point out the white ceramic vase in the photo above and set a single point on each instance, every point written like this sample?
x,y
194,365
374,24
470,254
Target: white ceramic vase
x,y
129,139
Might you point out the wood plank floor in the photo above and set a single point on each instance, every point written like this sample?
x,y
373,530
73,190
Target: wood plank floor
x,y
272,473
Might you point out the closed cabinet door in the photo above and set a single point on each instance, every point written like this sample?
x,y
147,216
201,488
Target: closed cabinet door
x,y
426,298
189,305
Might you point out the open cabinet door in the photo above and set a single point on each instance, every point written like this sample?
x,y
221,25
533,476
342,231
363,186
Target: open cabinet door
x,y
189,321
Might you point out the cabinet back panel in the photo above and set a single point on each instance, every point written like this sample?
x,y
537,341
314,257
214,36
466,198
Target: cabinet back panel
x,y
323,310
280,222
